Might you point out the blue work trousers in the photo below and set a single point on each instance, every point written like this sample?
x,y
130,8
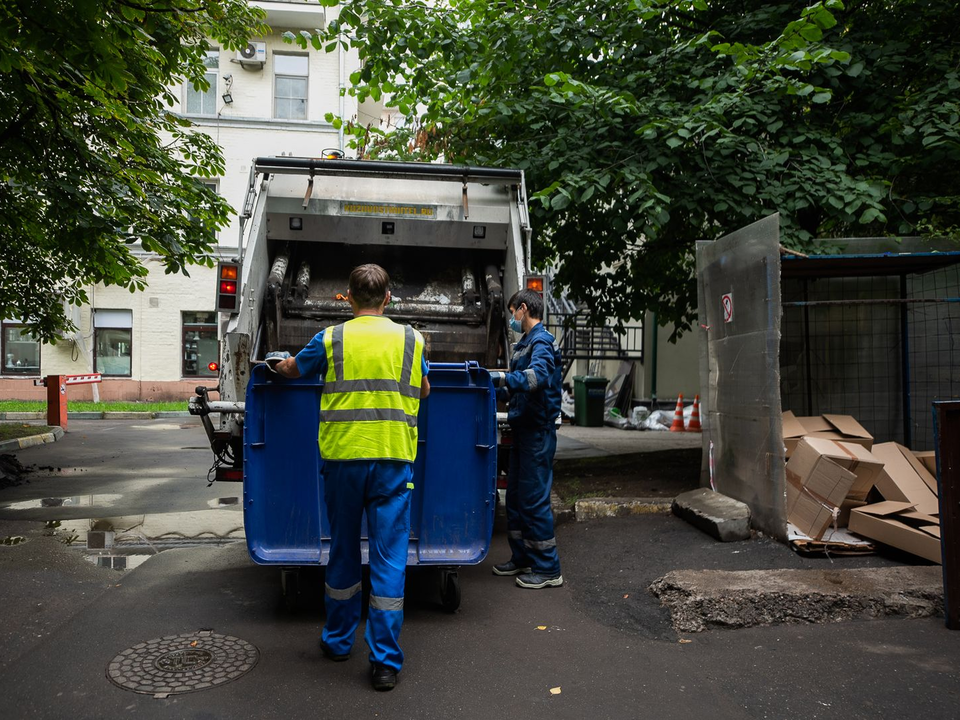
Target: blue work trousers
x,y
529,515
382,488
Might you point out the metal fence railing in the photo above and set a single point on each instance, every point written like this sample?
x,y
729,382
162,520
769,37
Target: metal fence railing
x,y
578,339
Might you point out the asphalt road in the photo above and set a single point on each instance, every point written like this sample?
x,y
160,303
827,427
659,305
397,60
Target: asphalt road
x,y
605,644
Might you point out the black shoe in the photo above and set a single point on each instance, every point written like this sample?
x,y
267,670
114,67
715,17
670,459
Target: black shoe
x,y
510,568
382,678
330,654
535,581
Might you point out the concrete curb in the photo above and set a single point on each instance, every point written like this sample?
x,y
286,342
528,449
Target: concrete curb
x,y
603,507
99,415
597,508
31,440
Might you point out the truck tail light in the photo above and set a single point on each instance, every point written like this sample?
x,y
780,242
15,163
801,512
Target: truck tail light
x,y
537,283
228,287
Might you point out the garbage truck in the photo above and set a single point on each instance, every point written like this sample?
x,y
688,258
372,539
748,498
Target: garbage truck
x,y
455,241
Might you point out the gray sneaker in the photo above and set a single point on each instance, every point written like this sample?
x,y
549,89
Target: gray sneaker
x,y
535,581
510,568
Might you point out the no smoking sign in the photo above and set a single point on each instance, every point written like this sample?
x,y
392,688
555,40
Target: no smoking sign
x,y
726,304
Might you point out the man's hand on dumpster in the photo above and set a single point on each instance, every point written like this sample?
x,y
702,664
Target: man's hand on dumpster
x,y
499,379
274,358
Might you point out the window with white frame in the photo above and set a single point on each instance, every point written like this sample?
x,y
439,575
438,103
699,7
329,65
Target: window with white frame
x,y
201,350
20,350
112,341
204,102
290,86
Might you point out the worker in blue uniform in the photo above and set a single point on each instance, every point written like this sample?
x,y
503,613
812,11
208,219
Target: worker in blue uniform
x,y
375,373
532,387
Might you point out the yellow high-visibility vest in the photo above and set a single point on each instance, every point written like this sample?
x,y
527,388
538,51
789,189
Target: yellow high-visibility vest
x,y
371,392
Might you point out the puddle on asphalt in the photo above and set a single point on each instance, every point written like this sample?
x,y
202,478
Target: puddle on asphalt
x,y
124,542
55,502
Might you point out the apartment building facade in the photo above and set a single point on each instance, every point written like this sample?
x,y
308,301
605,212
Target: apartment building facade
x,y
270,98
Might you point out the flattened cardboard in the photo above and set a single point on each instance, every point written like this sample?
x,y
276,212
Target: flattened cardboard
x,y
814,423
793,430
930,480
887,507
866,443
816,486
830,426
886,525
929,460
792,427
850,429
899,481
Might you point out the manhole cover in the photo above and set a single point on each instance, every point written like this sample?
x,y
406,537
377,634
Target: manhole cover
x,y
178,664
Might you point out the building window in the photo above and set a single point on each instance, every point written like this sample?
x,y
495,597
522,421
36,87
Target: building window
x,y
20,351
204,102
200,346
113,335
290,86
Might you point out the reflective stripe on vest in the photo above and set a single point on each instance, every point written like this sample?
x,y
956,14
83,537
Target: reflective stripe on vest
x,y
371,392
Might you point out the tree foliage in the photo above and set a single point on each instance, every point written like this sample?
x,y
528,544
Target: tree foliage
x,y
92,160
645,125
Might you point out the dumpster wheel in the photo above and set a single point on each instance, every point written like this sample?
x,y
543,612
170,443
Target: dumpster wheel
x,y
449,590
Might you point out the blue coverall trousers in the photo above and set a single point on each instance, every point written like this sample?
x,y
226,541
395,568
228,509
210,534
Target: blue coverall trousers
x,y
382,488
529,516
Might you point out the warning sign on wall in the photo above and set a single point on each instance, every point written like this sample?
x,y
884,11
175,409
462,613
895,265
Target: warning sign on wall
x,y
726,304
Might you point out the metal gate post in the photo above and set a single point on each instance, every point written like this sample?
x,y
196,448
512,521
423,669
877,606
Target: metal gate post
x,y
56,400
946,428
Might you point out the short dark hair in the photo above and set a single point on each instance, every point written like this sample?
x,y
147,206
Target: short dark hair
x,y
530,298
368,285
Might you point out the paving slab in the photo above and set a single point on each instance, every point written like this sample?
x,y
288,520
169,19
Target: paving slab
x,y
722,517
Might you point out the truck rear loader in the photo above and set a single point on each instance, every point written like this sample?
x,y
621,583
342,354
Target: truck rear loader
x,y
454,240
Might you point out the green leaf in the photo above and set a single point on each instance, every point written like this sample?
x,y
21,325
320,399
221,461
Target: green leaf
x,y
559,201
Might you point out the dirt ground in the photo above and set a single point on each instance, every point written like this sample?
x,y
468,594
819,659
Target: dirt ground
x,y
664,473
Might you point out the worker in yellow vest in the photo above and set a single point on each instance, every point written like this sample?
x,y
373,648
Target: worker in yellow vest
x,y
375,374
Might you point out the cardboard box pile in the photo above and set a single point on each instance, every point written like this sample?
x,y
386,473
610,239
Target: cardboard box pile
x,y
835,477
823,474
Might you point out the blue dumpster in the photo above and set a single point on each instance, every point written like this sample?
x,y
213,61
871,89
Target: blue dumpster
x,y
454,497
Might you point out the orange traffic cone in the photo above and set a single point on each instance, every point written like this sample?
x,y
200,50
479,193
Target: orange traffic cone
x,y
694,425
678,416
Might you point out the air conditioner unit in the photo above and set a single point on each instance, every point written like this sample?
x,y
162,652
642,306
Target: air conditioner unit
x,y
254,52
